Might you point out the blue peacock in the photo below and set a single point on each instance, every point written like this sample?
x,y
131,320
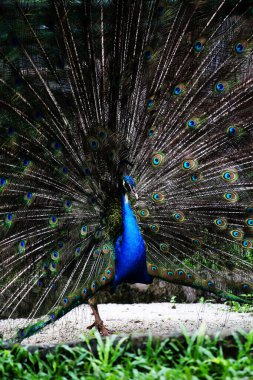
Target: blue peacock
x,y
126,132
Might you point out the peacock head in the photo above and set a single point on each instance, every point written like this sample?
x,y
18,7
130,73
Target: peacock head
x,y
129,185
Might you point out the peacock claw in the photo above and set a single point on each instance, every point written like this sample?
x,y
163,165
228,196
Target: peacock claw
x,y
98,323
102,329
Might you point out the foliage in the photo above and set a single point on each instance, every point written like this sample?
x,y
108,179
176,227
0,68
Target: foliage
x,y
240,308
196,357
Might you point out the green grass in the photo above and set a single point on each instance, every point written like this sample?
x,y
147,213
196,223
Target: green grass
x,y
191,358
240,308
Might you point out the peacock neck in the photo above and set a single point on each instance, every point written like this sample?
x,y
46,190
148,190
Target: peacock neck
x,y
130,260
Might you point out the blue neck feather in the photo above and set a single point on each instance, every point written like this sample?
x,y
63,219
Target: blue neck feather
x,y
130,260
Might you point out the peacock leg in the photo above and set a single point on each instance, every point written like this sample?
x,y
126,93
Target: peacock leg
x,y
98,323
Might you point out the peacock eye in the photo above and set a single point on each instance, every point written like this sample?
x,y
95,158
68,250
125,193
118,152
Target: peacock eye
x,y
189,276
153,268
148,53
144,213
221,86
3,181
151,132
179,89
194,177
230,175
154,228
158,197
157,159
178,216
102,135
221,223
210,284
57,145
236,234
249,222
197,242
68,206
193,123
84,291
164,247
77,251
247,244
232,131
60,244
189,164
93,143
170,274
53,221
55,255
26,163
180,272
53,267
239,47
28,197
86,171
22,246
108,272
231,197
198,46
150,102
245,287
84,231
104,278
65,170
106,249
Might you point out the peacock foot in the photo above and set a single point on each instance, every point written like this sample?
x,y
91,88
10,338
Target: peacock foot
x,y
102,329
98,323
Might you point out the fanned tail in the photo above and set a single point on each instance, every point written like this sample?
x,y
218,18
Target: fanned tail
x,y
89,87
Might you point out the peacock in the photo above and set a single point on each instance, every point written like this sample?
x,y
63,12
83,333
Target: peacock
x,y
126,132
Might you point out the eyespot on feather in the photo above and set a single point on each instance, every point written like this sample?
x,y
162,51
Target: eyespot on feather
x,y
221,223
157,159
158,197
